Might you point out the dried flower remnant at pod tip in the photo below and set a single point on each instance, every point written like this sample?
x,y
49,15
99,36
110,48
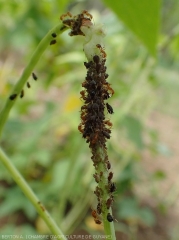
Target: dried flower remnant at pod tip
x,y
75,22
94,126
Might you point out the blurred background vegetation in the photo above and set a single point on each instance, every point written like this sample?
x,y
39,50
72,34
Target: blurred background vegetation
x,y
41,136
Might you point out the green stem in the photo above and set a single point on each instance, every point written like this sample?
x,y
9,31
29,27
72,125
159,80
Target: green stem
x,y
31,196
109,228
45,42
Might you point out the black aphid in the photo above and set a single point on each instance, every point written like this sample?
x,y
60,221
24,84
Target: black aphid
x,y
13,96
110,218
28,84
53,42
34,76
54,35
109,108
22,94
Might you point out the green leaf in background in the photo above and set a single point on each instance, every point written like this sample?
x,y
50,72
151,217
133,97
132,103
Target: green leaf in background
x,y
134,130
130,210
142,17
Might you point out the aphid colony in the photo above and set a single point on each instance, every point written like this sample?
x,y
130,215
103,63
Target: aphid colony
x,y
94,127
13,96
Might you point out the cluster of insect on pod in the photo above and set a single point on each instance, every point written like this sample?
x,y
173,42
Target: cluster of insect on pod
x,y
96,215
97,219
14,95
110,187
94,127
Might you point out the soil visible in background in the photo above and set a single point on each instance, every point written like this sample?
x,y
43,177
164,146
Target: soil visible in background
x,y
162,195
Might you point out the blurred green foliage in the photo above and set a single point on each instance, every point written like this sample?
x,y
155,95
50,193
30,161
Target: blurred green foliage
x,y
41,136
142,17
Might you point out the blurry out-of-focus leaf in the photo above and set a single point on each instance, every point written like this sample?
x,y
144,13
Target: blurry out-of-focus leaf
x,y
9,206
22,230
159,175
163,149
43,157
162,207
126,178
15,201
7,229
147,216
29,209
130,210
59,174
134,130
141,17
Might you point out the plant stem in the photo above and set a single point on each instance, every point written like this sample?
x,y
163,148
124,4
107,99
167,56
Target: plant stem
x,y
31,196
96,87
45,42
109,228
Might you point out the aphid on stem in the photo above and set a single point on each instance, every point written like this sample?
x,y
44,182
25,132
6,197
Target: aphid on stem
x,y
109,202
81,128
108,165
110,176
83,94
109,108
106,134
96,177
54,35
34,76
28,84
97,221
53,42
110,217
22,94
95,216
107,122
96,59
112,187
87,14
13,96
110,90
99,210
63,16
103,53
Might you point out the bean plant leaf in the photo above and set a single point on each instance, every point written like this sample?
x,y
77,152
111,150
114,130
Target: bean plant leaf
x,y
129,209
134,130
142,17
